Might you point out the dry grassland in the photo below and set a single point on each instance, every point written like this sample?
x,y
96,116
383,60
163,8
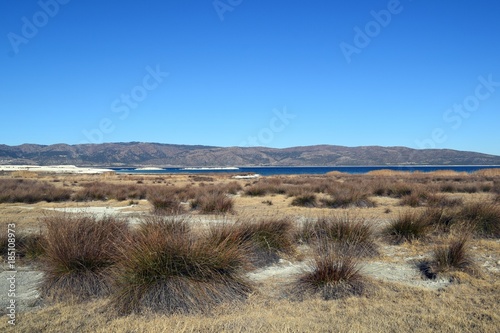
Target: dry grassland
x,y
409,279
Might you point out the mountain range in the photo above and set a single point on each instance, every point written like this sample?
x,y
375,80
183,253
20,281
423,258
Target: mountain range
x,y
141,154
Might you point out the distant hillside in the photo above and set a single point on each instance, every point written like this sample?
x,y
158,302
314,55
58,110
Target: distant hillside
x,y
156,154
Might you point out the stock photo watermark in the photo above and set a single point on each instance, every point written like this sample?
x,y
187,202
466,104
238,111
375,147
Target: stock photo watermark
x,y
11,273
455,115
277,124
125,103
32,25
363,36
223,6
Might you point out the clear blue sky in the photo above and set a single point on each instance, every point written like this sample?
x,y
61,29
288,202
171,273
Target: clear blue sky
x,y
275,73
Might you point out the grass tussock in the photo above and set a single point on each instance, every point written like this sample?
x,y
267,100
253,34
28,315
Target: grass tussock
x,y
305,200
349,234
483,218
31,191
101,191
163,272
332,276
213,202
453,257
165,201
347,196
79,251
408,226
264,239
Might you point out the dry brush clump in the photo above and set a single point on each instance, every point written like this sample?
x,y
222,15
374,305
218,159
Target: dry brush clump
x,y
264,239
408,226
482,218
345,196
168,269
332,276
165,200
349,234
453,257
213,201
105,191
79,252
31,191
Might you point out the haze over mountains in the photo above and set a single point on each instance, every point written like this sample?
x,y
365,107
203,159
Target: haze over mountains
x,y
163,155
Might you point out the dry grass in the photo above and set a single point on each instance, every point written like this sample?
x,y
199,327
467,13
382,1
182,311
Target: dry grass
x,y
408,226
483,218
466,306
163,271
30,191
79,250
455,256
347,233
333,276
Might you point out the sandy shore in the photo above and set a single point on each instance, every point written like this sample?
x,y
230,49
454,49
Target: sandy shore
x,y
53,169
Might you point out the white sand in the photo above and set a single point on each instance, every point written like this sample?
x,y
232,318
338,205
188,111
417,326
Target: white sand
x,y
53,169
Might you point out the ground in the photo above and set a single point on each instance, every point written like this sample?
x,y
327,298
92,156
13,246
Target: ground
x,y
399,298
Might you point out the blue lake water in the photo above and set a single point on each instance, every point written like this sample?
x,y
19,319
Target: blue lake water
x,y
270,171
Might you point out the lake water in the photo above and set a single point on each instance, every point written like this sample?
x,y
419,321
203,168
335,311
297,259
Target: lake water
x,y
269,171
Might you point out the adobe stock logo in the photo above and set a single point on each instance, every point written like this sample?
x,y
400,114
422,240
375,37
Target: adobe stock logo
x,y
266,135
222,6
30,27
460,111
125,103
373,28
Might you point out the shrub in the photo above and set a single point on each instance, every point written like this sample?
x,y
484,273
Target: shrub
x,y
333,277
105,191
163,272
349,234
407,227
264,239
79,251
31,191
345,197
455,256
305,200
483,218
213,202
164,201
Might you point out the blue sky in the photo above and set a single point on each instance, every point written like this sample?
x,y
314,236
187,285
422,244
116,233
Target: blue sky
x,y
277,73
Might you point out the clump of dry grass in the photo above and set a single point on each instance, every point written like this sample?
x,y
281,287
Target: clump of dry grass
x,y
31,191
333,276
213,201
350,235
106,191
454,256
305,200
408,226
165,272
263,239
345,196
164,201
483,218
79,251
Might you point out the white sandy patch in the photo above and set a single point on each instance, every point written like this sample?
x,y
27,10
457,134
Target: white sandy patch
x,y
26,289
53,169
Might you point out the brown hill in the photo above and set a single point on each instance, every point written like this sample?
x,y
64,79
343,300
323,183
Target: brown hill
x,y
156,154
